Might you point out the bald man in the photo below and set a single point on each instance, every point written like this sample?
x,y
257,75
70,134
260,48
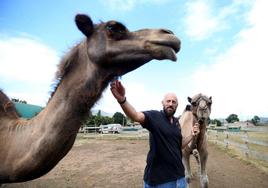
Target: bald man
x,y
164,168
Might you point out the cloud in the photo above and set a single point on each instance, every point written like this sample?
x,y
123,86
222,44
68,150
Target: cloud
x,y
136,94
199,21
128,5
237,79
203,19
27,68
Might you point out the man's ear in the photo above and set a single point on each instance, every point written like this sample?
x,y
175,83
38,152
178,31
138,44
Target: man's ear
x,y
84,24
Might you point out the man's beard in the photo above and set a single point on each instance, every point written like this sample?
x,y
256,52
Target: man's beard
x,y
169,111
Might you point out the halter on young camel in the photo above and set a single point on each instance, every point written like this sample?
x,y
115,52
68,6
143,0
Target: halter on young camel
x,y
31,148
199,111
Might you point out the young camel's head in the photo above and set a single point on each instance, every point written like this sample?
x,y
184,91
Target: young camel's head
x,y
118,51
201,106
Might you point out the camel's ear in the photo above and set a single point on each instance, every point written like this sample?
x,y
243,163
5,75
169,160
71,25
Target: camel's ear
x,y
84,24
189,99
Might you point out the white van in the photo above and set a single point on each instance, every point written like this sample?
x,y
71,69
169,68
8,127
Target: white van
x,y
110,128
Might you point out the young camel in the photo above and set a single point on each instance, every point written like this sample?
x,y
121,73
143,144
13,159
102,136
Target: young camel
x,y
31,148
199,111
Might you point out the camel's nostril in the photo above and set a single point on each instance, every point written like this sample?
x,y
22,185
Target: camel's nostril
x,y
166,31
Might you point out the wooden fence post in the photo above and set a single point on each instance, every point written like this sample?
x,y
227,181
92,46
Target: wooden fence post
x,y
227,142
216,137
246,143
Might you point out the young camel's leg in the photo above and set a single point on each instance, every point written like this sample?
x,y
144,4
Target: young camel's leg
x,y
203,177
186,163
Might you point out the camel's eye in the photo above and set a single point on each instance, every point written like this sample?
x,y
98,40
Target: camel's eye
x,y
116,30
193,103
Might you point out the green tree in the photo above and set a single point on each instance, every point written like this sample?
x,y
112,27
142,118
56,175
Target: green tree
x,y
232,118
90,121
255,120
107,120
119,118
18,100
97,120
99,113
216,121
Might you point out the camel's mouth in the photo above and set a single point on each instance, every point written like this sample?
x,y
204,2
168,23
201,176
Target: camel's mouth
x,y
152,49
158,50
165,49
175,45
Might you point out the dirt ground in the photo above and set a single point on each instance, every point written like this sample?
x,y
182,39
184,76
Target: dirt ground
x,y
120,164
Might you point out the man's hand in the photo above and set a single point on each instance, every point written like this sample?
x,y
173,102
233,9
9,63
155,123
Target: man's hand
x,y
118,90
195,129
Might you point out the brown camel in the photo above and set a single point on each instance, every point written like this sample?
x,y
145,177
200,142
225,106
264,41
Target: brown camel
x,y
199,111
31,148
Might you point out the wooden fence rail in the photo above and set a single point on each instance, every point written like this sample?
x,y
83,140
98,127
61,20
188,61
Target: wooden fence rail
x,y
250,147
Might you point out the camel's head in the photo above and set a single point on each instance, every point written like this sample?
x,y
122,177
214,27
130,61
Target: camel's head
x,y
113,47
201,106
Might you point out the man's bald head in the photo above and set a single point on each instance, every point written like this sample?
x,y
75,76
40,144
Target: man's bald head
x,y
170,103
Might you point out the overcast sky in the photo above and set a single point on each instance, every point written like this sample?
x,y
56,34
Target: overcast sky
x,y
223,52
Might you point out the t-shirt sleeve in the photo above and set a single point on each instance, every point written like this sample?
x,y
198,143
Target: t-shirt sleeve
x,y
148,122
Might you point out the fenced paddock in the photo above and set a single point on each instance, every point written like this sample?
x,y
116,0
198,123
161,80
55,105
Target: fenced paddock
x,y
118,160
249,144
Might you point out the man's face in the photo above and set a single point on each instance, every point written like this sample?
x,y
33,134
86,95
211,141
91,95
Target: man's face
x,y
170,104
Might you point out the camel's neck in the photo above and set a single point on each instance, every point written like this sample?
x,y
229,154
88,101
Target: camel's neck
x,y
202,134
187,120
75,95
48,137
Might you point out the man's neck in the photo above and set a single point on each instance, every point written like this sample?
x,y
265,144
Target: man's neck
x,y
171,119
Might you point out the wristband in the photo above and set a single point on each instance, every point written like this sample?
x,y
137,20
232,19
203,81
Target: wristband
x,y
122,102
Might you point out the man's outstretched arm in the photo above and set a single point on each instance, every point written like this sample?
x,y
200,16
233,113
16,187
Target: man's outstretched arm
x,y
119,92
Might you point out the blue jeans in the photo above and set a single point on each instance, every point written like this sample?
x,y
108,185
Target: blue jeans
x,y
179,183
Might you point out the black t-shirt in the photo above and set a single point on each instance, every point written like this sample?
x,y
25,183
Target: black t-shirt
x,y
164,159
